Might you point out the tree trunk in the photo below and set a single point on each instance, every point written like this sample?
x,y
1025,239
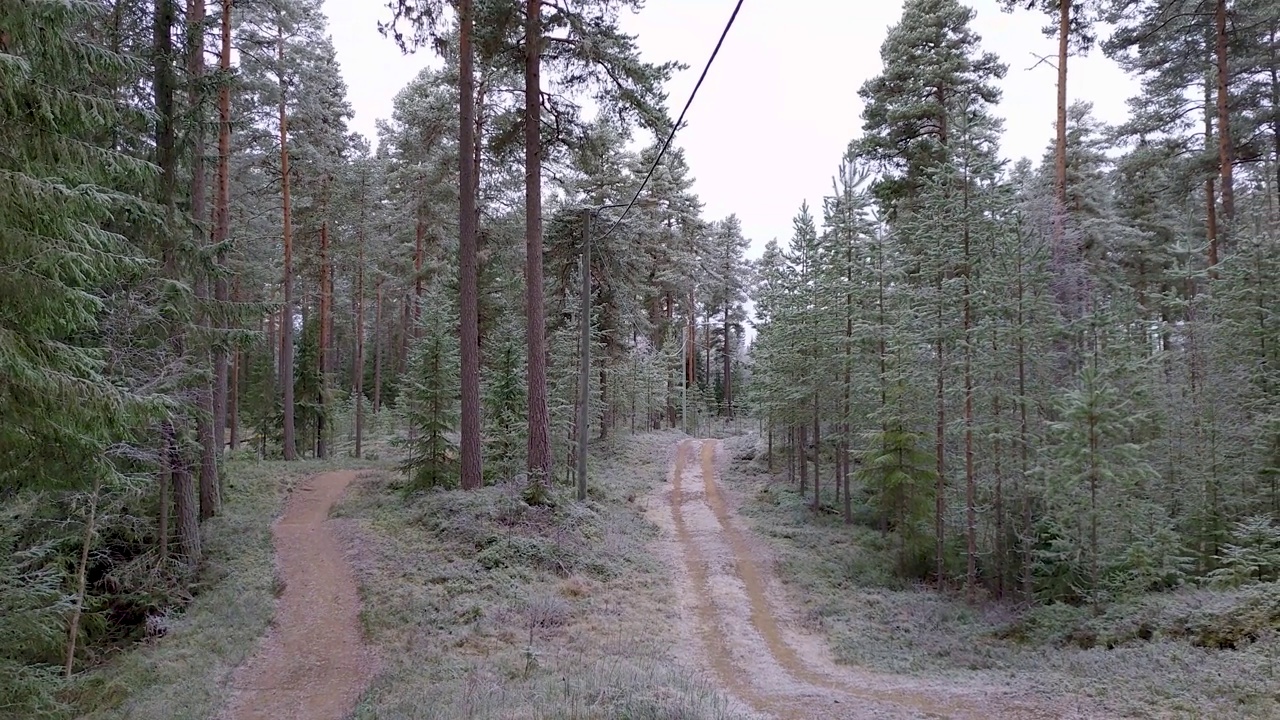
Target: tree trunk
x,y
82,571
539,440
357,365
1226,153
377,346
163,84
286,316
206,417
940,448
233,403
322,357
221,230
997,457
1211,204
970,480
606,414
817,454
1060,148
419,242
472,461
186,506
845,434
791,454
706,336
804,458
728,383
1024,447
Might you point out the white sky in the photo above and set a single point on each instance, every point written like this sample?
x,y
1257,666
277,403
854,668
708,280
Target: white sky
x,y
780,104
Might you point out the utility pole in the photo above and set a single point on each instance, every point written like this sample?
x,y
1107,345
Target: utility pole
x,y
584,370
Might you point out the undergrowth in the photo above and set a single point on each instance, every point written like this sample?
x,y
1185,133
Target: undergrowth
x,y
1191,653
483,606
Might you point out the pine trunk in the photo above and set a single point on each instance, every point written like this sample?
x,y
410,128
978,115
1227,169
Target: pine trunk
x,y
322,357
1226,159
940,447
817,455
997,458
802,432
82,571
728,383
377,346
357,365
221,231
1210,195
1024,442
539,440
970,480
419,242
1060,148
233,403
286,315
206,425
185,503
469,331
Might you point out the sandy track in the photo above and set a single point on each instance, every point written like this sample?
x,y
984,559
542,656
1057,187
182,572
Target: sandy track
x,y
313,664
740,620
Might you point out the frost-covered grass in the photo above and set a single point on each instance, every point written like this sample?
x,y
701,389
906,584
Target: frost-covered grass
x,y
1159,656
484,607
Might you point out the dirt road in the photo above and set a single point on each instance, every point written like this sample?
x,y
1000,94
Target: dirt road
x,y
313,664
741,622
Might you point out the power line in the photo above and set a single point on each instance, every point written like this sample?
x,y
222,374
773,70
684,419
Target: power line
x,y
679,121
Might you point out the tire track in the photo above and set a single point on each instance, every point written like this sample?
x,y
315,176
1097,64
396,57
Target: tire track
x,y
745,645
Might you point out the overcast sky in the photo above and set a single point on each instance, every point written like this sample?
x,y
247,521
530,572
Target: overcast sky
x,y
780,104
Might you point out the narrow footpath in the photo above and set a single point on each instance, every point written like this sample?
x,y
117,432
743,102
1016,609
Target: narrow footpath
x,y
313,664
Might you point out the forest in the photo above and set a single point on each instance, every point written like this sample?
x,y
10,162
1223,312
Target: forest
x,y
1040,384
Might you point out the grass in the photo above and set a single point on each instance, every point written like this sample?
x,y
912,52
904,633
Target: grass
x,y
1159,656
484,607
183,675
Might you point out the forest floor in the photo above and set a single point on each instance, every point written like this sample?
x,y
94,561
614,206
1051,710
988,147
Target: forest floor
x,y
691,584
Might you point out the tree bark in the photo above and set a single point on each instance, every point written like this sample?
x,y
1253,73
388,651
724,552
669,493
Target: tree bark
x,y
233,390
82,568
804,458
1226,159
539,445
206,417
357,366
817,455
419,241
472,460
1211,200
222,229
377,346
286,316
728,382
186,505
322,357
970,480
940,447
